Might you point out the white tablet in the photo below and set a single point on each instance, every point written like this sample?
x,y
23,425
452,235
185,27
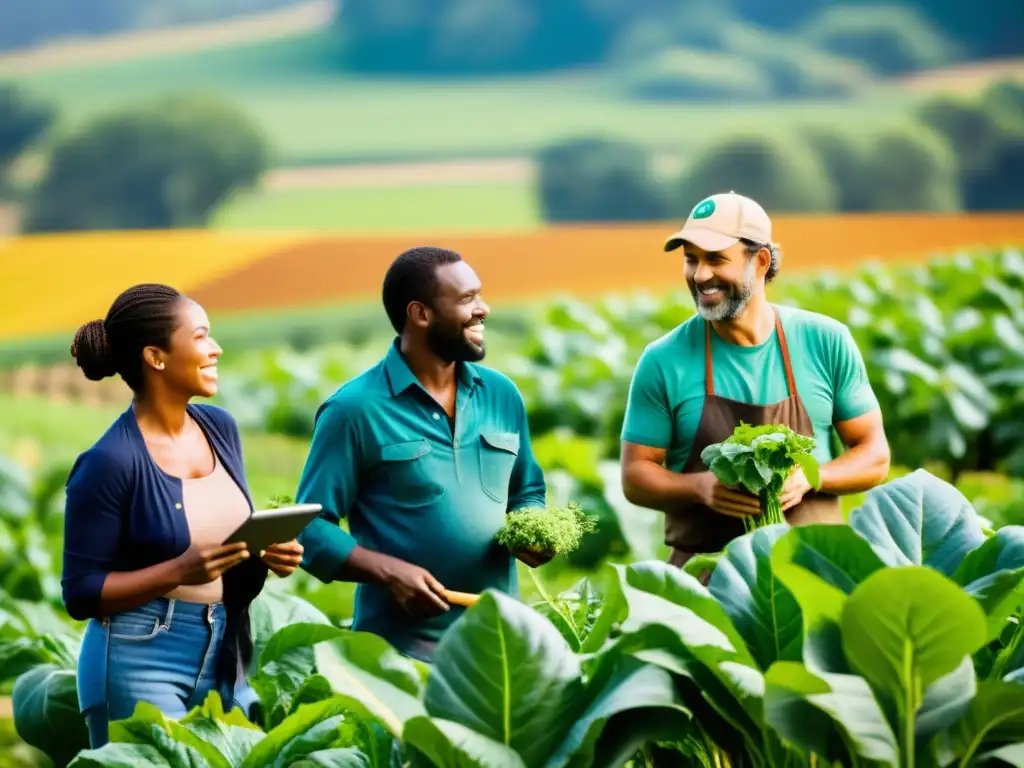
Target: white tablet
x,y
274,526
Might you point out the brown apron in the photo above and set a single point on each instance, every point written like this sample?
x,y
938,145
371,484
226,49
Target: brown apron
x,y
694,528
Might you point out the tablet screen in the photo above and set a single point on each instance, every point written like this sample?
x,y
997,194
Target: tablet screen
x,y
274,526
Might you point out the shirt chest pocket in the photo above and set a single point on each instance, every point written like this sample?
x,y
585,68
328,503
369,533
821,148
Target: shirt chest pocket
x,y
407,472
498,453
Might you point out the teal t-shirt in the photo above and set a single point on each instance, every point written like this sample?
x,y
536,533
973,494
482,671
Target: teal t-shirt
x,y
666,395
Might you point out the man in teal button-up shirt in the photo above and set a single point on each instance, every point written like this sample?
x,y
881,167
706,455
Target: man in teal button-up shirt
x,y
424,453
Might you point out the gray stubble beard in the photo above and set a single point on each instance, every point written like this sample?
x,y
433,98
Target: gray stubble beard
x,y
732,306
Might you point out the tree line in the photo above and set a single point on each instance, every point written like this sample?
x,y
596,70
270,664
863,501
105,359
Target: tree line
x,y
953,153
426,37
471,36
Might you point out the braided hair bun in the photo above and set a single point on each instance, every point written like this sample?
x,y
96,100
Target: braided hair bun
x,y
92,352
142,316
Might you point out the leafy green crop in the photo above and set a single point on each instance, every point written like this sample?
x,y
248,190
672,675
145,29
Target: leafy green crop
x,y
797,654
46,712
760,459
551,529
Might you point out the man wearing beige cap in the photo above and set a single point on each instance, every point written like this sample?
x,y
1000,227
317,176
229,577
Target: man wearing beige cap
x,y
742,359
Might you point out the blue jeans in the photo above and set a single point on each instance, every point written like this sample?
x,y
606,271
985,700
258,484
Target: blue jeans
x,y
164,653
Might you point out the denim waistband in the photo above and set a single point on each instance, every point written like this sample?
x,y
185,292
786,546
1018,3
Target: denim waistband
x,y
171,610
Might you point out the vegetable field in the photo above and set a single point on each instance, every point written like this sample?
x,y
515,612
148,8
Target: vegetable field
x,y
893,640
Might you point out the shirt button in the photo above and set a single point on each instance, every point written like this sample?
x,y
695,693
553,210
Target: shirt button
x,y
437,416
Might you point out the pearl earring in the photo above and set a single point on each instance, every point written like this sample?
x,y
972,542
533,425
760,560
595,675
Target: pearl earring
x,y
159,366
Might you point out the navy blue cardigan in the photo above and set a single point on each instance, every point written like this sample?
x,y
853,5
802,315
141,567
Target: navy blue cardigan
x,y
124,513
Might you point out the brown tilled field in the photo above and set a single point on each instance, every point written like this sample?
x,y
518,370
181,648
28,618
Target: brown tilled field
x,y
586,260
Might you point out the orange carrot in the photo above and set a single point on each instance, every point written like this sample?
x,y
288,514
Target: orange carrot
x,y
460,598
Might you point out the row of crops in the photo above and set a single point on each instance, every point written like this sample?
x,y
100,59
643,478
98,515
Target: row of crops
x,y
892,641
895,640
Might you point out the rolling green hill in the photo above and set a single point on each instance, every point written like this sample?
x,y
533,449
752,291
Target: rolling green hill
x,y
315,114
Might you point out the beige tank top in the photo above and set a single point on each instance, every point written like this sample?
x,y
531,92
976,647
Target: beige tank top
x,y
214,507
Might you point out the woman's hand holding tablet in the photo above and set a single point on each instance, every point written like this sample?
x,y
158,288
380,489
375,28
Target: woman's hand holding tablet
x,y
273,526
283,559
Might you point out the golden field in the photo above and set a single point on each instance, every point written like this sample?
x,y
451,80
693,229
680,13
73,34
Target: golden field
x,y
54,283
57,282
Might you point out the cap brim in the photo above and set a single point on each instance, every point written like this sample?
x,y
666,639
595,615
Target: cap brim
x,y
704,239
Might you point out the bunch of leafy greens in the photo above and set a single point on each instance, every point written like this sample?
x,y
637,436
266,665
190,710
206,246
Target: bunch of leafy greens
x,y
550,529
760,459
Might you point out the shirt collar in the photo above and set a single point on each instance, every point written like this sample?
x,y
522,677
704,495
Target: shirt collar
x,y
401,377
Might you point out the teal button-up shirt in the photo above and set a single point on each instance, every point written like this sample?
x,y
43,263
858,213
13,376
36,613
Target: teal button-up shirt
x,y
412,485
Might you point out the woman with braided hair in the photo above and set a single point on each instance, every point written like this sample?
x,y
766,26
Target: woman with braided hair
x,y
147,505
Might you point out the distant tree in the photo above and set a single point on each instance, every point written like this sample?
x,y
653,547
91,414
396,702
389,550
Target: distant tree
x,y
704,53
22,121
986,135
647,31
1002,189
990,28
678,74
986,29
798,70
889,39
599,179
913,169
167,164
782,173
1005,99
471,36
778,14
845,155
971,130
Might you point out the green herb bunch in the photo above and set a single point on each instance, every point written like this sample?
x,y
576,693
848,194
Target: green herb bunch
x,y
551,529
760,459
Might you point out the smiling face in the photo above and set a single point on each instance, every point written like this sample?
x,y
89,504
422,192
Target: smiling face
x,y
722,282
455,330
190,362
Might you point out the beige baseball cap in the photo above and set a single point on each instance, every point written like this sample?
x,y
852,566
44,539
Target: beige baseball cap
x,y
719,221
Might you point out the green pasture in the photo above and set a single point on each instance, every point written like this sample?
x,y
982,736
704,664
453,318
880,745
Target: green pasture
x,y
313,113
420,208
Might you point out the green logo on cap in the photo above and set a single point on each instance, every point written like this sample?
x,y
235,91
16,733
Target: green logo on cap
x,y
704,210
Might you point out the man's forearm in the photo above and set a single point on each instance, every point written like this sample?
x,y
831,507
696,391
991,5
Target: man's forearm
x,y
651,485
364,566
859,469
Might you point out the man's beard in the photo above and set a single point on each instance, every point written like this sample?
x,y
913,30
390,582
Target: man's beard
x,y
449,343
732,303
